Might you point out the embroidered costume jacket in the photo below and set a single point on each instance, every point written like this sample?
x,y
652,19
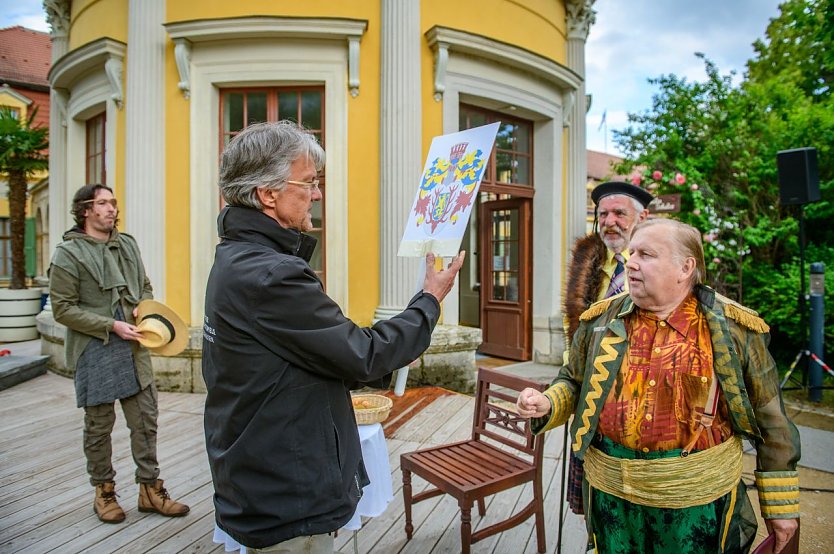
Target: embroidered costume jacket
x,y
747,378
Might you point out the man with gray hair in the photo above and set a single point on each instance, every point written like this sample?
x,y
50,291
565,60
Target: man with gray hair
x,y
663,383
597,271
280,358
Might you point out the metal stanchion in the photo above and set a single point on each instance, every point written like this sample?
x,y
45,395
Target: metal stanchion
x,y
817,326
814,369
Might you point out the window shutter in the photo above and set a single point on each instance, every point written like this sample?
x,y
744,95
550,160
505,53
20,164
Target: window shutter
x,y
29,247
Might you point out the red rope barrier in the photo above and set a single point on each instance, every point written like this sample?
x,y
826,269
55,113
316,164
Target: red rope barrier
x,y
820,362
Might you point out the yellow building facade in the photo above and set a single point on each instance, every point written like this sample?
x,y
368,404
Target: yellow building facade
x,y
146,93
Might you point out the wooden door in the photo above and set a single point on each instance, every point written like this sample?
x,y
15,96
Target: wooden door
x,y
506,289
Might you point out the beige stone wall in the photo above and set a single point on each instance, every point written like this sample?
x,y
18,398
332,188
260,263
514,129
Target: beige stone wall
x,y
450,360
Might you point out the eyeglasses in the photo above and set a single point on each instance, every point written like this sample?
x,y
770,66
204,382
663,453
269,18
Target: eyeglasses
x,y
101,202
314,184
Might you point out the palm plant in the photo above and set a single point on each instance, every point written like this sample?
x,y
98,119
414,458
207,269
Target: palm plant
x,y
22,153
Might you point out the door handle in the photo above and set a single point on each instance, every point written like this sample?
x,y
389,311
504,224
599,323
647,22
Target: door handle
x,y
476,287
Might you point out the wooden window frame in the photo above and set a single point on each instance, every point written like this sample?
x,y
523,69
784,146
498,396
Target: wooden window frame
x,y
101,121
5,245
272,114
489,183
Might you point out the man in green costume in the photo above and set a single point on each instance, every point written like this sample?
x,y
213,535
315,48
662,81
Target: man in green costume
x,y
664,381
96,281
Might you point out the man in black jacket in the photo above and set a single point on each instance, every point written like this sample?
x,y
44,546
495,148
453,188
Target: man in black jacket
x,y
279,357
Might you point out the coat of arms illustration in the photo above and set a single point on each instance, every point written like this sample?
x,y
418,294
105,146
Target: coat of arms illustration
x,y
447,188
447,191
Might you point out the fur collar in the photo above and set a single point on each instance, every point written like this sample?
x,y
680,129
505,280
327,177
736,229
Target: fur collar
x,y
585,278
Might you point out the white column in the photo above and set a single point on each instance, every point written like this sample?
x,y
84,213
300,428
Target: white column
x,y
400,148
145,136
58,17
580,16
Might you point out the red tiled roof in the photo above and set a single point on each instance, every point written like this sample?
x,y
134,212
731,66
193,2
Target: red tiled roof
x,y
25,55
600,165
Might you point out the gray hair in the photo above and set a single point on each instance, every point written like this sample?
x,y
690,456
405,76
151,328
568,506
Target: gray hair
x,y
638,207
687,243
261,157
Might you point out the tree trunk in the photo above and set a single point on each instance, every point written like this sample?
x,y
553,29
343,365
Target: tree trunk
x,y
17,217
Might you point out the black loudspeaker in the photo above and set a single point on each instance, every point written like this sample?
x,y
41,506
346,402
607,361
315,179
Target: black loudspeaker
x,y
799,181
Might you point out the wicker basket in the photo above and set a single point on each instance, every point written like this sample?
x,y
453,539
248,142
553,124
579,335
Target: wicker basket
x,y
380,407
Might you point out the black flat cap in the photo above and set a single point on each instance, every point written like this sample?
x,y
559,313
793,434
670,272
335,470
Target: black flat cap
x,y
619,187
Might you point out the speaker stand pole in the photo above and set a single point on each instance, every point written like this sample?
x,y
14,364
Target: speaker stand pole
x,y
804,353
803,311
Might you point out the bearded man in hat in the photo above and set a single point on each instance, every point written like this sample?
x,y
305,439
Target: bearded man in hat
x,y
96,282
597,271
663,383
280,357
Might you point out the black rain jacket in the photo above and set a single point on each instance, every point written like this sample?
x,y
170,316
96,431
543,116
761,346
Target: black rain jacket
x,y
279,359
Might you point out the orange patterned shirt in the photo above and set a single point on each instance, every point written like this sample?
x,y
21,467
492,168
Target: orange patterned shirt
x,y
663,383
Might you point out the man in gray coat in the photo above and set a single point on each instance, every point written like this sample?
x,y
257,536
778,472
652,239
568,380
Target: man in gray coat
x,y
96,281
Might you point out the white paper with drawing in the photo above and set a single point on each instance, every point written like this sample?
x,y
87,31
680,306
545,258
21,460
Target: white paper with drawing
x,y
447,191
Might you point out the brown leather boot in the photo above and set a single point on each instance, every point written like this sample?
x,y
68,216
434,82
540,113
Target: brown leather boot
x,y
106,506
154,498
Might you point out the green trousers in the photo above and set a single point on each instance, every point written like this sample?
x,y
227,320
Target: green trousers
x,y
620,527
140,411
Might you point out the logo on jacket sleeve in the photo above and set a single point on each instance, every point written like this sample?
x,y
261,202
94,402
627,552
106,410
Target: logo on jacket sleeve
x,y
209,334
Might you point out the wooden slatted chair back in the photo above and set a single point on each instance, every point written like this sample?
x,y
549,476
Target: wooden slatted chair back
x,y
495,411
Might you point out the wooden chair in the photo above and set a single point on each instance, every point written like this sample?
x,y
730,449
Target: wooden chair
x,y
473,469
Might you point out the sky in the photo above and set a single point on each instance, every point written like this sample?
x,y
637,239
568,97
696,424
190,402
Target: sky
x,y
635,40
631,42
27,13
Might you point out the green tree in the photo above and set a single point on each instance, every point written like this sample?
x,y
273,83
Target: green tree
x,y
21,155
725,138
798,43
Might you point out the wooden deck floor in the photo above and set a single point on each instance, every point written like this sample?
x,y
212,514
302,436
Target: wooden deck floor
x,y
46,499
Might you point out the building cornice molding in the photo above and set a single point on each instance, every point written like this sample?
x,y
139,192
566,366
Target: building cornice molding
x,y
445,40
6,89
204,30
105,54
186,33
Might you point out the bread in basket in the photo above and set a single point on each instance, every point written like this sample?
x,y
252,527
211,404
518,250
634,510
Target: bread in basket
x,y
371,408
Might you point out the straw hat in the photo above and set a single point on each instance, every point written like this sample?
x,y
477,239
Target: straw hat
x,y
162,329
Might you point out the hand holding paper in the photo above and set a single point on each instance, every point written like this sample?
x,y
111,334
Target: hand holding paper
x,y
440,213
438,283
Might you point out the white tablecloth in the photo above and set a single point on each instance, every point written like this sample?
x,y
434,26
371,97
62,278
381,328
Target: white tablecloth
x,y
375,496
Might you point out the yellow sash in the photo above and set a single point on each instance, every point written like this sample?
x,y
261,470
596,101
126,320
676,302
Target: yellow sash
x,y
677,482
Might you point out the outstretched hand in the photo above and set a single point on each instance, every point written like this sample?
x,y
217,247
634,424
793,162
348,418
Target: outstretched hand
x,y
532,403
439,283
